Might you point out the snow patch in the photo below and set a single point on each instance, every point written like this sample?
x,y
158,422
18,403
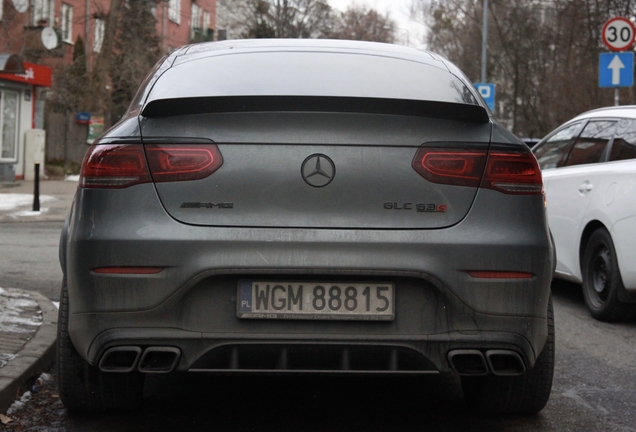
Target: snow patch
x,y
72,178
24,213
44,378
14,316
10,201
19,404
6,358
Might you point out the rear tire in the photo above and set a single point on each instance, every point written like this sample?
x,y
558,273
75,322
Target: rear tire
x,y
523,394
602,280
84,388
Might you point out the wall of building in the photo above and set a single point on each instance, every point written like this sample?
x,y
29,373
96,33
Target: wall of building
x,y
66,140
175,34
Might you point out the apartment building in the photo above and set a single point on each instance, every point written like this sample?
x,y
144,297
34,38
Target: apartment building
x,y
43,34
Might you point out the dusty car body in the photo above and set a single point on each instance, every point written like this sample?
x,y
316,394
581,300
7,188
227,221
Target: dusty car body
x,y
309,206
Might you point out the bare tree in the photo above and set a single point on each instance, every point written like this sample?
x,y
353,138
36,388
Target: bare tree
x,y
542,55
362,23
275,18
100,79
129,49
302,19
233,17
136,49
71,91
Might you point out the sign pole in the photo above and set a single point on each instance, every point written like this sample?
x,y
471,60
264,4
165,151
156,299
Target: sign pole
x,y
484,42
616,97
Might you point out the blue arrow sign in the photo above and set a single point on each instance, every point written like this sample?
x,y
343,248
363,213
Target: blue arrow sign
x,y
616,69
487,91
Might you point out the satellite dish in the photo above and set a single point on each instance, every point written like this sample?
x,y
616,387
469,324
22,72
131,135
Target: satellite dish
x,y
21,5
49,38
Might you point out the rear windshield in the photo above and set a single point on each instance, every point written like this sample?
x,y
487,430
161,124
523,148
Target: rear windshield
x,y
311,74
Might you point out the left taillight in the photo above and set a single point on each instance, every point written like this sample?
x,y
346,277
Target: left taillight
x,y
109,166
182,162
112,166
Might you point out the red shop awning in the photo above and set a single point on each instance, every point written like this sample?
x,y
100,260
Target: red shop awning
x,y
34,74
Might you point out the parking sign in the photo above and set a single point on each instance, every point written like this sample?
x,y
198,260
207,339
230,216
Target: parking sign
x,y
487,91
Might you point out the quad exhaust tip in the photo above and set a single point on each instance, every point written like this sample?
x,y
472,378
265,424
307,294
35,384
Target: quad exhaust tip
x,y
470,362
504,362
159,360
120,359
129,358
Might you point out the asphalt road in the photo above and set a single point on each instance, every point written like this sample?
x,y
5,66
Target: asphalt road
x,y
594,387
29,257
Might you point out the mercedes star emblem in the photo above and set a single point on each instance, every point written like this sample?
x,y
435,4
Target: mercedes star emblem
x,y
318,170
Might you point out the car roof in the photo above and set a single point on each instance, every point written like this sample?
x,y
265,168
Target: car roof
x,y
351,46
624,111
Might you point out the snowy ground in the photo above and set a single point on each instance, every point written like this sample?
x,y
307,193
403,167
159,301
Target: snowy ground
x,y
16,312
20,318
16,204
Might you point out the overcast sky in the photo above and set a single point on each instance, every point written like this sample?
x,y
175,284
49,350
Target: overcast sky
x,y
409,32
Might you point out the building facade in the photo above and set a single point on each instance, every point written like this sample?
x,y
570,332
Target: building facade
x,y
43,33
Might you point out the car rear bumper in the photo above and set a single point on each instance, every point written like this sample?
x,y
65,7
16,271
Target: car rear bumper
x,y
285,353
191,303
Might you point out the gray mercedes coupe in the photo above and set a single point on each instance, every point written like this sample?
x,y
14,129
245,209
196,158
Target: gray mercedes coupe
x,y
307,206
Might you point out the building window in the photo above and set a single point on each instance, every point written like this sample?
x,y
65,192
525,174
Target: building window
x,y
174,11
195,21
8,126
206,20
99,35
67,23
43,10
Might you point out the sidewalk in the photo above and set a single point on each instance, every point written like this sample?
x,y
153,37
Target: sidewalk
x,y
16,201
28,331
28,320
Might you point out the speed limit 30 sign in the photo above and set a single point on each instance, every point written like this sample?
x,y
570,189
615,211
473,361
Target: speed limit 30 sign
x,y
618,34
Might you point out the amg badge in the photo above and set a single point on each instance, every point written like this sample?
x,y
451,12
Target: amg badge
x,y
221,205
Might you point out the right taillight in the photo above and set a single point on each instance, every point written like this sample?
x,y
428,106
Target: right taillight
x,y
515,173
504,171
450,166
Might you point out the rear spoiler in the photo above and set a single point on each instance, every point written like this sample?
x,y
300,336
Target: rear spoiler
x,y
233,104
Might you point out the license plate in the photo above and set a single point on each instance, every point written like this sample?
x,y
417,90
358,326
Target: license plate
x,y
372,301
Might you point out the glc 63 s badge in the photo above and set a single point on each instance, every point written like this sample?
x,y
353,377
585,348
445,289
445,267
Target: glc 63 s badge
x,y
419,207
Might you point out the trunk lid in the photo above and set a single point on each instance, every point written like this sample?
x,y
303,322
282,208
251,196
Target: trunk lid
x,y
316,170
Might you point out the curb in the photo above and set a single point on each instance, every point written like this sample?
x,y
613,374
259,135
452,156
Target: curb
x,y
36,356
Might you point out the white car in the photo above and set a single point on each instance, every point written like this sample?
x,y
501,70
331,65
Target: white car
x,y
589,174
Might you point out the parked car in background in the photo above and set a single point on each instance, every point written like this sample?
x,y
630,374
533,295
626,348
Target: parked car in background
x,y
307,206
589,172
531,142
